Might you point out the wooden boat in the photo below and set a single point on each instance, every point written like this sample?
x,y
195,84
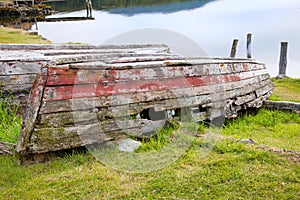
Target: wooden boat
x,y
83,95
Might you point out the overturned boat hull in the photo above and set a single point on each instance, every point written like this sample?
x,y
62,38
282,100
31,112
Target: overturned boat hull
x,y
86,95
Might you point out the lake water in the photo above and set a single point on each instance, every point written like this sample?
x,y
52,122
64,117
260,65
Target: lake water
x,y
212,25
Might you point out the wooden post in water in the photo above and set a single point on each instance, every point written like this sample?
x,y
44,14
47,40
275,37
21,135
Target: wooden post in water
x,y
249,40
233,48
89,8
283,60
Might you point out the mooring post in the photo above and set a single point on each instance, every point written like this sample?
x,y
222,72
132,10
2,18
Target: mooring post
x,y
249,40
89,8
283,60
233,48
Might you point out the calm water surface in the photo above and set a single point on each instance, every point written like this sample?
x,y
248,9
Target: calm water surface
x,y
211,24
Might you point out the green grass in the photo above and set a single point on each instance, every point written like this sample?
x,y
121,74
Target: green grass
x,y
287,89
273,128
230,170
10,122
16,36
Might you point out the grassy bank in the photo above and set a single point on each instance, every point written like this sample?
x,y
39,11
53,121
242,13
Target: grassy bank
x,y
231,170
16,36
287,89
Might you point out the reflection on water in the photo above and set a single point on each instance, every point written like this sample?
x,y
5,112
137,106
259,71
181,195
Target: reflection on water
x,y
135,6
211,24
25,23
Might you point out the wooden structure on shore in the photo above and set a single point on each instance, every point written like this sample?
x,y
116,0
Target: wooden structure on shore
x,y
27,2
84,95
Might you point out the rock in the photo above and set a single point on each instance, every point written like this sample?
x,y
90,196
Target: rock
x,y
128,145
250,141
33,33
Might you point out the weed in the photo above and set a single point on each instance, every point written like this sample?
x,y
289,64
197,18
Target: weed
x,y
10,122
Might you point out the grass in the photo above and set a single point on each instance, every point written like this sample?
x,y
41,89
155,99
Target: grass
x,y
16,36
273,128
229,170
287,89
10,122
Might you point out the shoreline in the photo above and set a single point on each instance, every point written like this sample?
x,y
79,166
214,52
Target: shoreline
x,y
8,10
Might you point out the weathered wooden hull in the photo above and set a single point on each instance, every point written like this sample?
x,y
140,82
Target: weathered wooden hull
x,y
85,95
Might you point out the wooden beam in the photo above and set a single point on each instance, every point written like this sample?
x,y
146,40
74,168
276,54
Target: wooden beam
x,y
34,102
282,105
283,60
233,48
249,40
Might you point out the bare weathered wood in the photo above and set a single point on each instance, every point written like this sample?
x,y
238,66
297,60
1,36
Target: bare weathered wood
x,y
283,60
282,105
19,68
53,139
6,148
258,102
34,103
125,99
248,47
80,46
242,95
31,53
115,88
66,76
261,91
17,79
233,48
16,89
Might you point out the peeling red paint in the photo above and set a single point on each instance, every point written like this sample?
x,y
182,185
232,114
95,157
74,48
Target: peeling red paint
x,y
113,88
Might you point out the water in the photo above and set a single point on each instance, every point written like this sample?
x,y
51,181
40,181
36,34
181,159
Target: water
x,y
211,24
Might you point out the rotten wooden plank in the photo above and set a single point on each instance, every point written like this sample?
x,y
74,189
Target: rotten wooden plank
x,y
258,102
125,99
17,79
67,76
282,105
6,148
17,47
34,102
53,139
152,63
15,89
242,95
19,68
43,52
112,88
248,100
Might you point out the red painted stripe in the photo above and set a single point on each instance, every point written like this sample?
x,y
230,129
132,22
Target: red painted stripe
x,y
66,76
106,89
